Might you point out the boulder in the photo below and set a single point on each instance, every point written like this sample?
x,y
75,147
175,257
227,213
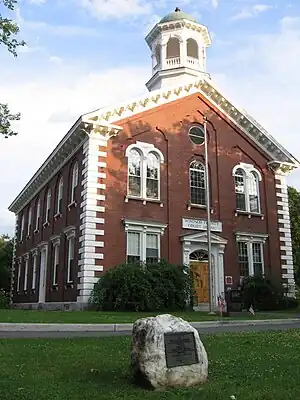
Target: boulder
x,y
185,364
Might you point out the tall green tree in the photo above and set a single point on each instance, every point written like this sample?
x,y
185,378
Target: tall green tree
x,y
294,206
6,254
8,33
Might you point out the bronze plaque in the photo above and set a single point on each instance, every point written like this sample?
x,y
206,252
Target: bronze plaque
x,y
180,349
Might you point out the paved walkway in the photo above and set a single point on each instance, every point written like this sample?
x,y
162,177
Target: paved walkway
x,y
12,330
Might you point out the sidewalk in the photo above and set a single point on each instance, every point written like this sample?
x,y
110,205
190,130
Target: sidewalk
x,y
32,327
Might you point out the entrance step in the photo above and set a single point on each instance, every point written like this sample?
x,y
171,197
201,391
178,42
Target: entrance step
x,y
201,307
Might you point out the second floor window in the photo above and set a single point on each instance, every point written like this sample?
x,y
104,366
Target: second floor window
x,y
144,172
38,215
246,183
48,207
197,183
22,227
74,181
60,189
29,224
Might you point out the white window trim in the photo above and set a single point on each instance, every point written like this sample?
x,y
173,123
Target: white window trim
x,y
26,258
19,275
55,240
59,195
38,215
22,227
144,149
198,170
143,229
74,181
247,169
249,239
70,233
48,206
29,224
34,253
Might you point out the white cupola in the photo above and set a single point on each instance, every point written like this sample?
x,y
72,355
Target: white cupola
x,y
178,45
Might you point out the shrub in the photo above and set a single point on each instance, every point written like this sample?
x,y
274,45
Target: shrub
x,y
143,287
264,295
4,299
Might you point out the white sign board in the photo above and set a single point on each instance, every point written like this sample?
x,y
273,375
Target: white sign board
x,y
201,224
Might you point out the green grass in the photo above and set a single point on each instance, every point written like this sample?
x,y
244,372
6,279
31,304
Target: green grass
x,y
94,317
250,366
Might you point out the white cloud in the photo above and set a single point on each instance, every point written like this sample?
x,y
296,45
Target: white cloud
x,y
117,9
215,3
251,12
37,2
49,107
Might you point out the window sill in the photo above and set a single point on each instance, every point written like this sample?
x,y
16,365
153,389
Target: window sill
x,y
21,241
199,206
36,231
249,214
145,201
69,285
54,288
45,224
57,216
28,237
33,291
72,205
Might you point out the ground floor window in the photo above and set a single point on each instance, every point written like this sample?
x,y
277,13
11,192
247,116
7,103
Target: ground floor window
x,y
250,258
143,241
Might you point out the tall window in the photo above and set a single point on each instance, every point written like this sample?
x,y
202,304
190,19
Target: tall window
x,y
34,268
197,183
60,190
134,173
71,244
38,215
22,227
19,276
29,223
144,171
133,247
192,48
143,241
26,273
56,248
250,258
246,183
48,207
74,181
152,184
173,47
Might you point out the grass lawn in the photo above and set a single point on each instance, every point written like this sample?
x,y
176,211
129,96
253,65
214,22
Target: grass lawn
x,y
250,366
94,317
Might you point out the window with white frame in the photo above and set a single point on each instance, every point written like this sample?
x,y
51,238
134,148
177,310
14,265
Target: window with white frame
x,y
19,275
56,248
38,215
246,183
26,272
197,183
250,255
70,234
144,171
59,199
29,223
74,181
143,241
48,207
22,227
34,269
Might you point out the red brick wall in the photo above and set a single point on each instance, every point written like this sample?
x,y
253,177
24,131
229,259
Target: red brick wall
x,y
167,128
56,227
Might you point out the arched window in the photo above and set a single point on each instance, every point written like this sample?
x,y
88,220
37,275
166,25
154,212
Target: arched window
x,y
152,185
197,183
173,47
60,189
254,192
199,255
48,206
38,215
192,49
74,182
144,170
158,53
246,183
240,194
134,173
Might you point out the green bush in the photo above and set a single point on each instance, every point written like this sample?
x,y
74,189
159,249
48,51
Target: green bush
x,y
4,299
143,287
264,295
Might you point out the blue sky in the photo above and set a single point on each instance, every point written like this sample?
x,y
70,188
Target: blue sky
x,y
84,54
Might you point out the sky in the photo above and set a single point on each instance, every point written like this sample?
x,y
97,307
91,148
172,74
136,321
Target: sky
x,y
85,54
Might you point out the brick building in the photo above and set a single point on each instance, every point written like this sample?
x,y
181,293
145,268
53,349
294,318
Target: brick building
x,y
128,183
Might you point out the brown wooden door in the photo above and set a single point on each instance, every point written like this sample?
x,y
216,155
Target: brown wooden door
x,y
200,275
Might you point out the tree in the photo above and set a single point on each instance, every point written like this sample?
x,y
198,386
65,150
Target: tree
x,y
6,254
294,206
8,30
